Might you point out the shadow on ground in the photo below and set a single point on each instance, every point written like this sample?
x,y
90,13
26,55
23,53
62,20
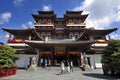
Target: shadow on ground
x,y
100,76
14,79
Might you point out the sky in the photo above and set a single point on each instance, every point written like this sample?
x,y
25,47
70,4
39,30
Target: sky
x,y
16,14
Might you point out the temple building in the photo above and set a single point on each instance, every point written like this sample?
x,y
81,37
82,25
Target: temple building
x,y
56,39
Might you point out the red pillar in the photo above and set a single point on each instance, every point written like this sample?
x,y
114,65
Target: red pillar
x,y
52,60
80,60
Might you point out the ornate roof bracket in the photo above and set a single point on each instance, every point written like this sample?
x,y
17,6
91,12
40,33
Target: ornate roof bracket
x,y
80,36
38,35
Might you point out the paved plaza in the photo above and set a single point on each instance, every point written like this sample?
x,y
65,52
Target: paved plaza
x,y
53,73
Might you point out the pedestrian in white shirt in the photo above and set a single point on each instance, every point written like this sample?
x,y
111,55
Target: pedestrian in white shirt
x,y
68,67
71,66
62,67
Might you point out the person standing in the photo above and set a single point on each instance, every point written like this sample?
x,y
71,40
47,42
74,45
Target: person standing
x,y
49,62
71,66
68,67
45,62
41,62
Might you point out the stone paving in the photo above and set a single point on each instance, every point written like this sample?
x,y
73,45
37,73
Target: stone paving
x,y
53,73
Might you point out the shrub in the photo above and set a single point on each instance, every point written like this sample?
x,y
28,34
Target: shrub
x,y
111,58
7,56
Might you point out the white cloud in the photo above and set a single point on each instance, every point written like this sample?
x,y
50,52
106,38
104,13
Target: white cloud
x,y
4,17
101,13
18,2
118,15
115,36
28,25
46,8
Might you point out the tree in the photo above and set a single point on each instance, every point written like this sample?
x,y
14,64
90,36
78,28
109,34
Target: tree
x,y
7,56
111,58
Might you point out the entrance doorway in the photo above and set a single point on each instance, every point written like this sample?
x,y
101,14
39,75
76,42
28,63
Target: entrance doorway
x,y
58,59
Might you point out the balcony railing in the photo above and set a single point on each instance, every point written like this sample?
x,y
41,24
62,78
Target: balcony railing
x,y
76,24
99,45
16,41
44,24
102,41
17,44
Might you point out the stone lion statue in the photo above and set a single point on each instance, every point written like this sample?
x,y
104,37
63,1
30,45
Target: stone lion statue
x,y
33,64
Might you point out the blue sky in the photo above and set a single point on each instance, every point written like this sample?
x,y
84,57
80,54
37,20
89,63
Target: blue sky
x,y
17,13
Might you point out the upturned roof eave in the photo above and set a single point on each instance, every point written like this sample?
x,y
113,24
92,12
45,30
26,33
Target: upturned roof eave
x,y
100,32
59,43
17,31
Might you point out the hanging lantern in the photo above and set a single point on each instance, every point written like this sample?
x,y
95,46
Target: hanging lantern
x,y
8,36
30,37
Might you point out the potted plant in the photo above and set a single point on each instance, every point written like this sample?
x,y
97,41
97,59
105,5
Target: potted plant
x,y
7,61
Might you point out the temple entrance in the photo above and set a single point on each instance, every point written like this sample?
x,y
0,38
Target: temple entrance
x,y
63,56
58,59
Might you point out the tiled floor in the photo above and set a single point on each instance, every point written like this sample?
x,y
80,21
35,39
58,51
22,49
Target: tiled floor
x,y
53,73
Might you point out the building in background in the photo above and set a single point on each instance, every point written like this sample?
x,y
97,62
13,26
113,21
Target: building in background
x,y
54,39
1,43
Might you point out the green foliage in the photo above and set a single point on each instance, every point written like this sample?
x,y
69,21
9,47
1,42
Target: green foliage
x,y
7,56
111,57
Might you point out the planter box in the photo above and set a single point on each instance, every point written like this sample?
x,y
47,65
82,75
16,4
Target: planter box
x,y
7,72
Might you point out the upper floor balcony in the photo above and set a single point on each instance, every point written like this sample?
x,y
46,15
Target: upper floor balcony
x,y
75,24
44,24
16,43
100,43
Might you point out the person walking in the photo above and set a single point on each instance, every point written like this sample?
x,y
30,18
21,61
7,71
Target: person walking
x,y
68,67
62,67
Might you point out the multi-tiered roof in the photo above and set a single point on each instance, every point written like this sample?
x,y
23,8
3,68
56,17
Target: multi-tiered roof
x,y
72,23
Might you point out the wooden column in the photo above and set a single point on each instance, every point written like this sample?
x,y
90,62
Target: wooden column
x,y
80,59
38,52
52,60
39,58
